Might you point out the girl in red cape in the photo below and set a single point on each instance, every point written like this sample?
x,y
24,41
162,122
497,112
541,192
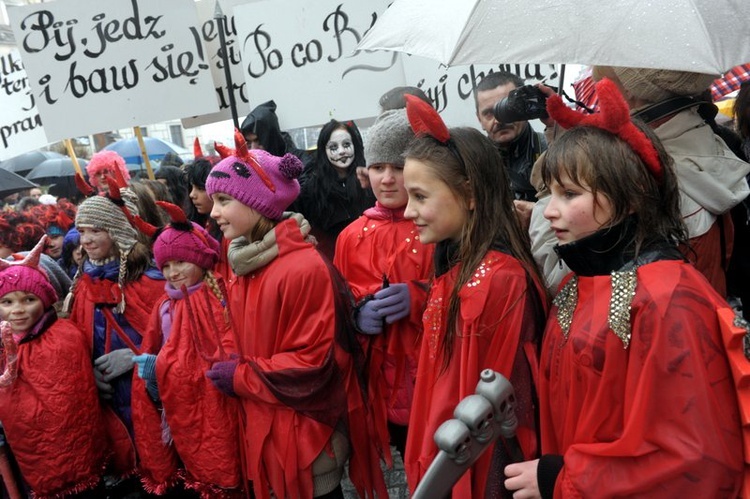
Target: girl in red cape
x,y
49,407
486,305
636,393
303,407
112,296
184,427
387,267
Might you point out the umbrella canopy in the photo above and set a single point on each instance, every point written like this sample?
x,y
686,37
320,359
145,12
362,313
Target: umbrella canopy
x,y
51,171
686,35
10,183
24,163
156,149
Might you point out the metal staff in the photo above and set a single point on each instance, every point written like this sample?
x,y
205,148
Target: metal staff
x,y
479,420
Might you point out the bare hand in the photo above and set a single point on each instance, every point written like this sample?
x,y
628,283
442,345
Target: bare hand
x,y
548,92
521,478
523,212
363,177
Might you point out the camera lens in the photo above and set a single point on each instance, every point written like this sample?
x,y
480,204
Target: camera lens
x,y
521,104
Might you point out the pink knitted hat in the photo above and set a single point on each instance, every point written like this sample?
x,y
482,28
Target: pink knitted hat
x,y
106,160
264,182
193,245
25,275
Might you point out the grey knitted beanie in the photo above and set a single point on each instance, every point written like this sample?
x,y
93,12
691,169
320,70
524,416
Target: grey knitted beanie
x,y
388,138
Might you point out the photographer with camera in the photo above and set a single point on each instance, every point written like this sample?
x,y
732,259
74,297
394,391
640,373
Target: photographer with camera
x,y
517,142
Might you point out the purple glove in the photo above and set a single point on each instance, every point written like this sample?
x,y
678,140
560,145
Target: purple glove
x,y
393,302
221,375
369,320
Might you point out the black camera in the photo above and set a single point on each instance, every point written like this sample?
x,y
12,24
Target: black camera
x,y
521,104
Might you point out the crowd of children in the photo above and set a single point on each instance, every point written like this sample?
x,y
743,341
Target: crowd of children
x,y
233,358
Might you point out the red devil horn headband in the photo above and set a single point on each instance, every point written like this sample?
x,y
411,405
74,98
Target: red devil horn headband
x,y
180,221
197,151
244,154
141,225
613,116
31,259
425,120
84,186
176,215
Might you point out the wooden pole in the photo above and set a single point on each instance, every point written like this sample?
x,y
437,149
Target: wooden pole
x,y
72,154
144,154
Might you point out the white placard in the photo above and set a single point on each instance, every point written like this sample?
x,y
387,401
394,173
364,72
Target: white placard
x,y
211,40
20,125
96,66
302,55
452,89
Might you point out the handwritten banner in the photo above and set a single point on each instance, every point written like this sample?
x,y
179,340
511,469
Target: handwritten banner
x,y
20,125
303,55
209,30
96,66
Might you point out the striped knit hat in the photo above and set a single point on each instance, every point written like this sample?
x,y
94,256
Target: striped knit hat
x,y
101,212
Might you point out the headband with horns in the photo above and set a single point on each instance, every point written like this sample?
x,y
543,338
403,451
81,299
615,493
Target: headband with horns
x,y
614,117
241,151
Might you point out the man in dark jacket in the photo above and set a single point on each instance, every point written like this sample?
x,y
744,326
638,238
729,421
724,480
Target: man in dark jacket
x,y
261,130
517,142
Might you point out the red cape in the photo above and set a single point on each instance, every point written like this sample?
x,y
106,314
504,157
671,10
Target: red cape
x,y
285,318
140,297
658,419
52,415
366,251
203,422
496,314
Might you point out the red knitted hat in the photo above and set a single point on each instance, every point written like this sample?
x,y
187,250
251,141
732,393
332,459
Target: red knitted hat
x,y
25,275
194,245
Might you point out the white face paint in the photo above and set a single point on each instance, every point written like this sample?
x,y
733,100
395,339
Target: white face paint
x,y
340,149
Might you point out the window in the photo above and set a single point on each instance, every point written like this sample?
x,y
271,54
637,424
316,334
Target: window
x,y
175,132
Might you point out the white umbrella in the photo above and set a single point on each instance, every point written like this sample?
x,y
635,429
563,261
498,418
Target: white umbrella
x,y
703,36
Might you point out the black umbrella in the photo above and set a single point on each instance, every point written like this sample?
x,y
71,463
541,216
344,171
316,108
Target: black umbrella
x,y
24,163
51,171
10,183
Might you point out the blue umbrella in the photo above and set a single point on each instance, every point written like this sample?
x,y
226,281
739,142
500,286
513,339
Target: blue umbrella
x,y
156,149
